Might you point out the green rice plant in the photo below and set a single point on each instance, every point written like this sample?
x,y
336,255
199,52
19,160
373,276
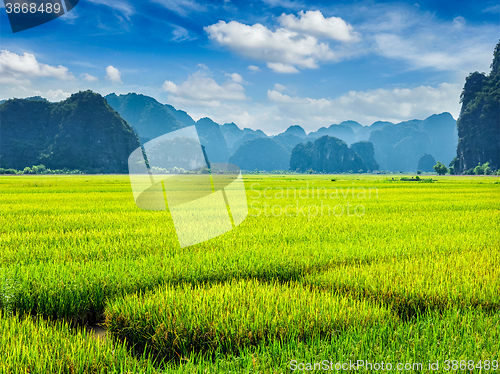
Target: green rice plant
x,y
174,321
71,243
465,280
36,346
428,339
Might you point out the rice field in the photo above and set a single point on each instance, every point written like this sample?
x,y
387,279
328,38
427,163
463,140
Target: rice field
x,y
325,267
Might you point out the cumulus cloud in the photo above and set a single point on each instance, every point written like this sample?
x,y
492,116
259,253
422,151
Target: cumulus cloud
x,y
182,7
314,23
90,78
170,87
279,87
113,74
26,66
253,68
202,90
367,107
283,50
235,77
57,95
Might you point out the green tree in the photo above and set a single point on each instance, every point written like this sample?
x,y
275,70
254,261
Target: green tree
x,y
482,169
42,169
440,168
478,170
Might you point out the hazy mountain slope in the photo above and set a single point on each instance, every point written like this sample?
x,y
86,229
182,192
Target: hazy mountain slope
x,y
148,117
262,154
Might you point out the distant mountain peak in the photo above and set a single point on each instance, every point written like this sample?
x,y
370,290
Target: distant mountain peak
x,y
295,130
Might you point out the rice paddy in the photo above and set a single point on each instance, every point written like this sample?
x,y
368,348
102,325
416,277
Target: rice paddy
x,y
325,267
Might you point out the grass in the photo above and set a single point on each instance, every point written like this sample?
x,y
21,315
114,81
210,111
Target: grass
x,y
416,284
454,335
175,321
36,346
76,248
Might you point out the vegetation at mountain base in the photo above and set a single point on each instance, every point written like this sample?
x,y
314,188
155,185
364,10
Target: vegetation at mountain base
x,y
479,121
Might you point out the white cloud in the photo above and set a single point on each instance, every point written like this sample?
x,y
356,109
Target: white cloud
x,y
253,68
122,6
90,78
434,52
314,23
113,74
26,66
367,107
289,4
57,95
70,17
279,87
236,78
13,81
421,40
182,7
283,50
170,87
201,90
278,67
180,34
495,9
459,22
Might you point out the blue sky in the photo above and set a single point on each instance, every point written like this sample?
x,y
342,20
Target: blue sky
x,y
265,64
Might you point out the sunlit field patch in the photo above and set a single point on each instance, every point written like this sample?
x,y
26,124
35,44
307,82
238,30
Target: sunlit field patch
x,y
230,316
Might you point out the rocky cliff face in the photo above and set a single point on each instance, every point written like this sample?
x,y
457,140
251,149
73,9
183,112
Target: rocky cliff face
x,y
366,151
479,121
82,132
327,155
